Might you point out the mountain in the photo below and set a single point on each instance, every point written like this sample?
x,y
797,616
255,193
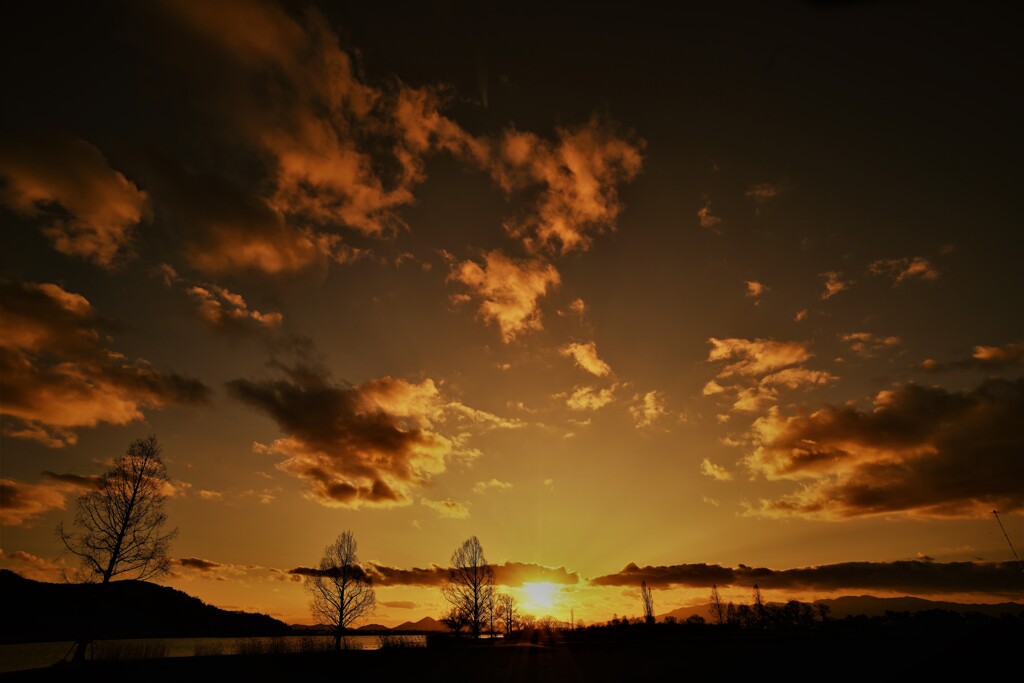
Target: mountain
x,y
869,605
683,613
872,606
373,627
424,624
34,610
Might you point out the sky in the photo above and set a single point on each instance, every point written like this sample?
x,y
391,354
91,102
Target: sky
x,y
722,295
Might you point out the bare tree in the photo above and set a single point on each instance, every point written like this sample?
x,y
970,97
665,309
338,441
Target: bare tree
x,y
648,599
508,611
120,523
340,588
717,609
470,586
760,613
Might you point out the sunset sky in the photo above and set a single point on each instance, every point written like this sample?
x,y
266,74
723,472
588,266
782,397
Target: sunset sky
x,y
729,295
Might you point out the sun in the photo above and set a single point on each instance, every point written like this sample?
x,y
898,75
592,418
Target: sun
x,y
540,595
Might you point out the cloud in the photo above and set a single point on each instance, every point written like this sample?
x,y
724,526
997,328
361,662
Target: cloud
x,y
908,576
226,231
88,209
650,408
483,487
590,398
868,345
903,270
223,309
369,444
31,566
710,469
399,604
586,357
983,358
23,501
708,220
755,356
447,507
57,374
755,289
757,370
762,193
800,315
579,175
919,452
511,574
834,284
210,495
508,289
341,151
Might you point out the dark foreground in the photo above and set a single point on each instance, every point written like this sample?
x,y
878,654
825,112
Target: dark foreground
x,y
560,657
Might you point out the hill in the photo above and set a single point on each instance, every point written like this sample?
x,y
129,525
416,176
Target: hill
x,y
34,610
871,606
424,624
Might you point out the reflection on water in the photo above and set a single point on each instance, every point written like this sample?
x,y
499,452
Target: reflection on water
x,y
16,657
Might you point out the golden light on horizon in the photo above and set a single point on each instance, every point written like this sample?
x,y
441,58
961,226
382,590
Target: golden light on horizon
x,y
540,595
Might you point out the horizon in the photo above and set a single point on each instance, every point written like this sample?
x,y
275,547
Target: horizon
x,y
724,295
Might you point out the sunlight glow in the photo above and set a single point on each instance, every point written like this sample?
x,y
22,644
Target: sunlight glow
x,y
541,595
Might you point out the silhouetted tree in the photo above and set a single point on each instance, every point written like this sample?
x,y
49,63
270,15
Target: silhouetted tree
x,y
119,525
760,613
340,589
508,611
648,600
717,610
695,620
470,586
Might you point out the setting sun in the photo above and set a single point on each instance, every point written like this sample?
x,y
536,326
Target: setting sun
x,y
540,595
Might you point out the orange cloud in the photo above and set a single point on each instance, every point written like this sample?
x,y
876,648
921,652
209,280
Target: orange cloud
x,y
762,193
903,270
579,177
57,375
983,358
755,356
710,469
868,345
921,451
755,289
586,357
447,507
21,501
834,284
89,210
220,308
649,409
708,220
590,398
483,487
508,289
371,444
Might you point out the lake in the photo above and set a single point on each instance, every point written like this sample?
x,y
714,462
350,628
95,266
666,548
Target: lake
x,y
20,656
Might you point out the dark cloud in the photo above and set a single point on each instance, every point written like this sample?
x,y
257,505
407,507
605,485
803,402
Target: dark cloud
x,y
920,451
369,444
57,374
902,576
87,208
400,604
987,358
84,483
511,574
198,564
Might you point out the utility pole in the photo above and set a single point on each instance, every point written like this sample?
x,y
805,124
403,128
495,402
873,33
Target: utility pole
x,y
1007,536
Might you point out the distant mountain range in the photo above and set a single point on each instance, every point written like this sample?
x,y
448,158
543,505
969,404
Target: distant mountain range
x,y
424,624
872,606
33,610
